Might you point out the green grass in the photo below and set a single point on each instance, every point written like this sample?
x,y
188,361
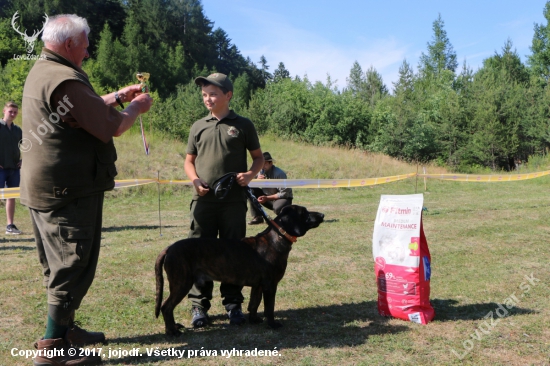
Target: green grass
x,y
484,238
297,159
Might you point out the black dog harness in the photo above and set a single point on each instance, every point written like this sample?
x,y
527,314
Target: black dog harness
x,y
223,185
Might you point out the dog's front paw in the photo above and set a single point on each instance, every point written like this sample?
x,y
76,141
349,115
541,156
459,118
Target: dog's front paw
x,y
274,324
174,331
255,319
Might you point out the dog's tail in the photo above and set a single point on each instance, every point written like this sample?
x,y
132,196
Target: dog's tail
x,y
159,264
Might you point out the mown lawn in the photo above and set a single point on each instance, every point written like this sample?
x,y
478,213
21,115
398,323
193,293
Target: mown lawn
x,y
484,240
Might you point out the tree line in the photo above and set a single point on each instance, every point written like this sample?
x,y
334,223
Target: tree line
x,y
440,111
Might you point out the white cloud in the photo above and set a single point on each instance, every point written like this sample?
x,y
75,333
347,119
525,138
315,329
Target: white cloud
x,y
304,52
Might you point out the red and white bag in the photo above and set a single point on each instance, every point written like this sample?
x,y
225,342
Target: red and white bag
x,y
402,259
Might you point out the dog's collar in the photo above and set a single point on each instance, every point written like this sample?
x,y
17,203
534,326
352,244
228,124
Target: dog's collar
x,y
289,237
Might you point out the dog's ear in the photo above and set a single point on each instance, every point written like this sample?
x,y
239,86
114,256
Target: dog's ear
x,y
286,208
286,211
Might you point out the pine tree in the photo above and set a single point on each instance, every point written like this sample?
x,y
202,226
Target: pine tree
x,y
539,60
501,85
5,9
280,73
264,67
405,83
110,52
356,80
228,57
374,86
441,55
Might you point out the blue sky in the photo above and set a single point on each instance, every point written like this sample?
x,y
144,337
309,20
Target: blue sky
x,y
326,37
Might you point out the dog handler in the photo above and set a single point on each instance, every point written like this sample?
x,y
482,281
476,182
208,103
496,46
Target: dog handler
x,y
217,145
69,165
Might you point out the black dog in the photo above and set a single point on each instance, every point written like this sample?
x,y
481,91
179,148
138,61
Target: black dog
x,y
259,262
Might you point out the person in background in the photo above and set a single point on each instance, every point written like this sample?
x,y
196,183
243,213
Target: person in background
x,y
10,159
274,199
69,164
218,144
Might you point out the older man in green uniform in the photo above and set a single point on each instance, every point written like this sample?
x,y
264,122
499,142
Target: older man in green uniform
x,y
69,164
217,145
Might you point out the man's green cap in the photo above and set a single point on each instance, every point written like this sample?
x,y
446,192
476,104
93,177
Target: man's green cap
x,y
217,79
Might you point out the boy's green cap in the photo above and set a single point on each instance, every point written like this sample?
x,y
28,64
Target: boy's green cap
x,y
217,79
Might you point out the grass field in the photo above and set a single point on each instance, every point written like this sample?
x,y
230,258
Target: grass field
x,y
484,240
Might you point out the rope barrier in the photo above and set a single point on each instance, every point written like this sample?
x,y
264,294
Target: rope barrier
x,y
486,178
6,193
311,183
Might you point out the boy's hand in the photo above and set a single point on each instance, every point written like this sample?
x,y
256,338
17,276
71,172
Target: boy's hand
x,y
244,178
201,187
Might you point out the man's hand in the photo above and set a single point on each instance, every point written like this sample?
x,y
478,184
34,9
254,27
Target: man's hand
x,y
263,199
244,178
260,176
143,101
129,93
140,104
201,187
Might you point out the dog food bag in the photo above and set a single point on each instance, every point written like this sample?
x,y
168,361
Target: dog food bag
x,y
402,259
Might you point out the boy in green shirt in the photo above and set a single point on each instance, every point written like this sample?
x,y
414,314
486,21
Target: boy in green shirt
x,y
218,144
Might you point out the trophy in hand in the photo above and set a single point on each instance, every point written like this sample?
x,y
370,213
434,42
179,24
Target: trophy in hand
x,y
143,77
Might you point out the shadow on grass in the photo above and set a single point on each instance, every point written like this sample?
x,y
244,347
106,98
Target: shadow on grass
x,y
447,310
125,228
332,326
19,247
16,240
